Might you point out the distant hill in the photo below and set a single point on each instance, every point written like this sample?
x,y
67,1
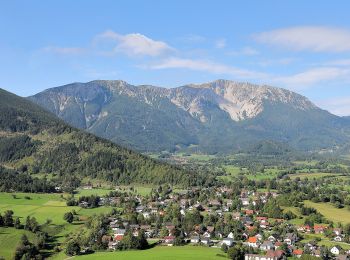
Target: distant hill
x,y
36,143
217,117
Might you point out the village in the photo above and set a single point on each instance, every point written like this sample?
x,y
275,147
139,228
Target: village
x,y
216,217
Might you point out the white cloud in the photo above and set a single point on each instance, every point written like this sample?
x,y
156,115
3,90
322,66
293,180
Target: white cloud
x,y
207,66
64,50
312,38
247,51
220,43
312,76
135,44
341,62
339,106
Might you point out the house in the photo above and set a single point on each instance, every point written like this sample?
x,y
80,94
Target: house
x,y
335,250
206,241
228,241
252,242
267,245
276,255
207,234
256,257
337,231
245,201
210,229
195,239
231,235
270,255
119,231
118,238
112,245
169,240
342,257
297,253
290,238
259,237
338,239
319,229
271,238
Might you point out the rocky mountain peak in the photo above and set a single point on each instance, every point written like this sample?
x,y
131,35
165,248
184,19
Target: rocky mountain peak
x,y
240,100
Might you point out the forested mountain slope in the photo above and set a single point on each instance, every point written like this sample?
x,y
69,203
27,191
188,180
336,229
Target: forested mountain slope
x,y
34,143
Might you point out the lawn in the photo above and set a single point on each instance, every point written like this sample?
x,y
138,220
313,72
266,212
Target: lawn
x,y
162,252
330,212
9,238
42,207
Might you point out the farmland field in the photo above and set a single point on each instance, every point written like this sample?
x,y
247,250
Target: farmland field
x,y
330,212
162,252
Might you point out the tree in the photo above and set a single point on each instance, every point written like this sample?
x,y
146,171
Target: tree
x,y
164,232
17,224
72,248
31,224
142,240
235,253
26,250
69,217
8,218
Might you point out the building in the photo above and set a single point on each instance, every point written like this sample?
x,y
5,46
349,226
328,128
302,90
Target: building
x,y
335,250
195,239
267,245
228,241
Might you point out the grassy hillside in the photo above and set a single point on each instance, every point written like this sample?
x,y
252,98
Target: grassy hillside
x,y
184,252
35,143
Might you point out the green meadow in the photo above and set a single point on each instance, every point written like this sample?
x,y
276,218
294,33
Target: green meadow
x,y
162,252
43,207
330,212
9,238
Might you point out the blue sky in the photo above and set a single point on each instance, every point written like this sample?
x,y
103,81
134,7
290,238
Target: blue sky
x,y
300,45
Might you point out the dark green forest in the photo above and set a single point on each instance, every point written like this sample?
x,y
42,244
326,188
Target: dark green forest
x,y
34,141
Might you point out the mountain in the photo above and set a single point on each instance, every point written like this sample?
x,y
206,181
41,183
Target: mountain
x,y
37,144
220,116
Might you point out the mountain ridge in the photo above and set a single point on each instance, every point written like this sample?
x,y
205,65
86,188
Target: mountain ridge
x,y
195,116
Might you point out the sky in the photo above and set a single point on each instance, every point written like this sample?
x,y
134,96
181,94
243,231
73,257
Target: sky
x,y
303,46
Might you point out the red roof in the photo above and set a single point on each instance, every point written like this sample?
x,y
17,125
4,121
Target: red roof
x,y
169,237
118,237
277,253
297,252
252,239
